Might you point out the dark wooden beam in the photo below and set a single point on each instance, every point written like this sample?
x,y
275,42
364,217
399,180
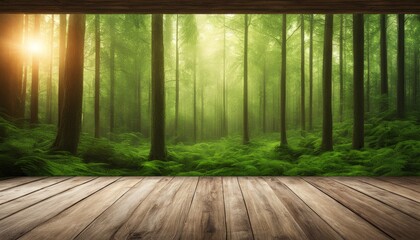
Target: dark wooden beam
x,y
209,6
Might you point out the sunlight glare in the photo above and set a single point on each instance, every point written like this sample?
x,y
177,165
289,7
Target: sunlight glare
x,y
35,47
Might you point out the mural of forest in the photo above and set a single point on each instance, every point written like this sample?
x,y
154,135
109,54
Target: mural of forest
x,y
235,94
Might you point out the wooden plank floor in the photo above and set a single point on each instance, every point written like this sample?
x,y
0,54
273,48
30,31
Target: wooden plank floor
x,y
210,208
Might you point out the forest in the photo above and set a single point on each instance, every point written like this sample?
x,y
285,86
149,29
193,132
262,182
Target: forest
x,y
210,94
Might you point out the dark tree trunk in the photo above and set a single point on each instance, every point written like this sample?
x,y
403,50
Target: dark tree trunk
x,y
35,76
384,65
327,141
70,124
49,82
400,63
302,74
415,78
283,138
62,62
311,72
341,68
245,111
358,91
97,73
158,148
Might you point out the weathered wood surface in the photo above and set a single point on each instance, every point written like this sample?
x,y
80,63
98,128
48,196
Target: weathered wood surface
x,y
210,6
209,208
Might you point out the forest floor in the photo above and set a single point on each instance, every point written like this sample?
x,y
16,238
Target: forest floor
x,y
392,148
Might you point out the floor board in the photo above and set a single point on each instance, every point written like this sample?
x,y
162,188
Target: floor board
x,y
209,208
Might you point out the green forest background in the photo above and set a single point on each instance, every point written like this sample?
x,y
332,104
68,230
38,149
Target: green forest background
x,y
296,94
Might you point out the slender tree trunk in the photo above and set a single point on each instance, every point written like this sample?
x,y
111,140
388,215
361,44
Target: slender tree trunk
x,y
138,104
97,74
49,82
368,66
415,79
70,125
384,65
177,77
358,91
311,72
302,74
158,147
400,59
283,138
341,67
35,75
202,110
62,61
327,141
264,97
25,71
195,94
224,123
112,79
245,111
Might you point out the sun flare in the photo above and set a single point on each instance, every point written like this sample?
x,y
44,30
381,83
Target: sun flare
x,y
35,47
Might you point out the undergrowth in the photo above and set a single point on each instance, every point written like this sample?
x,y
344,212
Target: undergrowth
x,y
392,149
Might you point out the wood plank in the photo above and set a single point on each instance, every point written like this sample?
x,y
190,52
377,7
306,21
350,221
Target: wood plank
x,y
406,182
16,205
69,223
237,219
210,6
162,214
206,218
269,218
22,222
313,225
403,204
405,192
19,191
345,222
395,223
14,182
105,226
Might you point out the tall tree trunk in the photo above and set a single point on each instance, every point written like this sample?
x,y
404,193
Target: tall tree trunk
x,y
415,78
264,97
384,65
327,141
62,62
245,111
368,66
283,138
311,72
400,60
302,73
177,77
158,148
341,110
49,82
35,75
224,123
358,91
97,73
25,71
112,79
202,110
70,124
195,94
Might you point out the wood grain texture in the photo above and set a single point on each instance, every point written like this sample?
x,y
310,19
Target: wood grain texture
x,y
343,220
210,6
412,183
394,188
105,226
26,201
403,204
206,217
13,182
163,213
237,219
377,213
269,218
22,222
69,223
313,225
19,191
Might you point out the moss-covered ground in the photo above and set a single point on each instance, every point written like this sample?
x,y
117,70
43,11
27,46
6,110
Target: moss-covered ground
x,y
392,148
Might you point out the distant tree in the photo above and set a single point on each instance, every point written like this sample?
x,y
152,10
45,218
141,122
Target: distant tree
x,y
62,62
68,133
400,66
302,73
112,77
327,141
368,40
341,67
384,64
158,148
358,88
50,73
177,76
224,115
35,75
283,138
311,71
97,74
245,98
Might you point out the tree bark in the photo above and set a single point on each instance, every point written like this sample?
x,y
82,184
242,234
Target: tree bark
x,y
35,75
327,141
245,93
97,74
358,91
112,79
341,110
224,123
311,72
49,82
70,125
62,62
384,65
177,77
158,148
283,138
302,74
400,63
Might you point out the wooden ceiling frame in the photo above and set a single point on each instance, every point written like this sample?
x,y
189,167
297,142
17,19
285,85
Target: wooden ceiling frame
x,y
210,6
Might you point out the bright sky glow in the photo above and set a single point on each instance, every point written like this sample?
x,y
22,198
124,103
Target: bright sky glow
x,y
35,47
